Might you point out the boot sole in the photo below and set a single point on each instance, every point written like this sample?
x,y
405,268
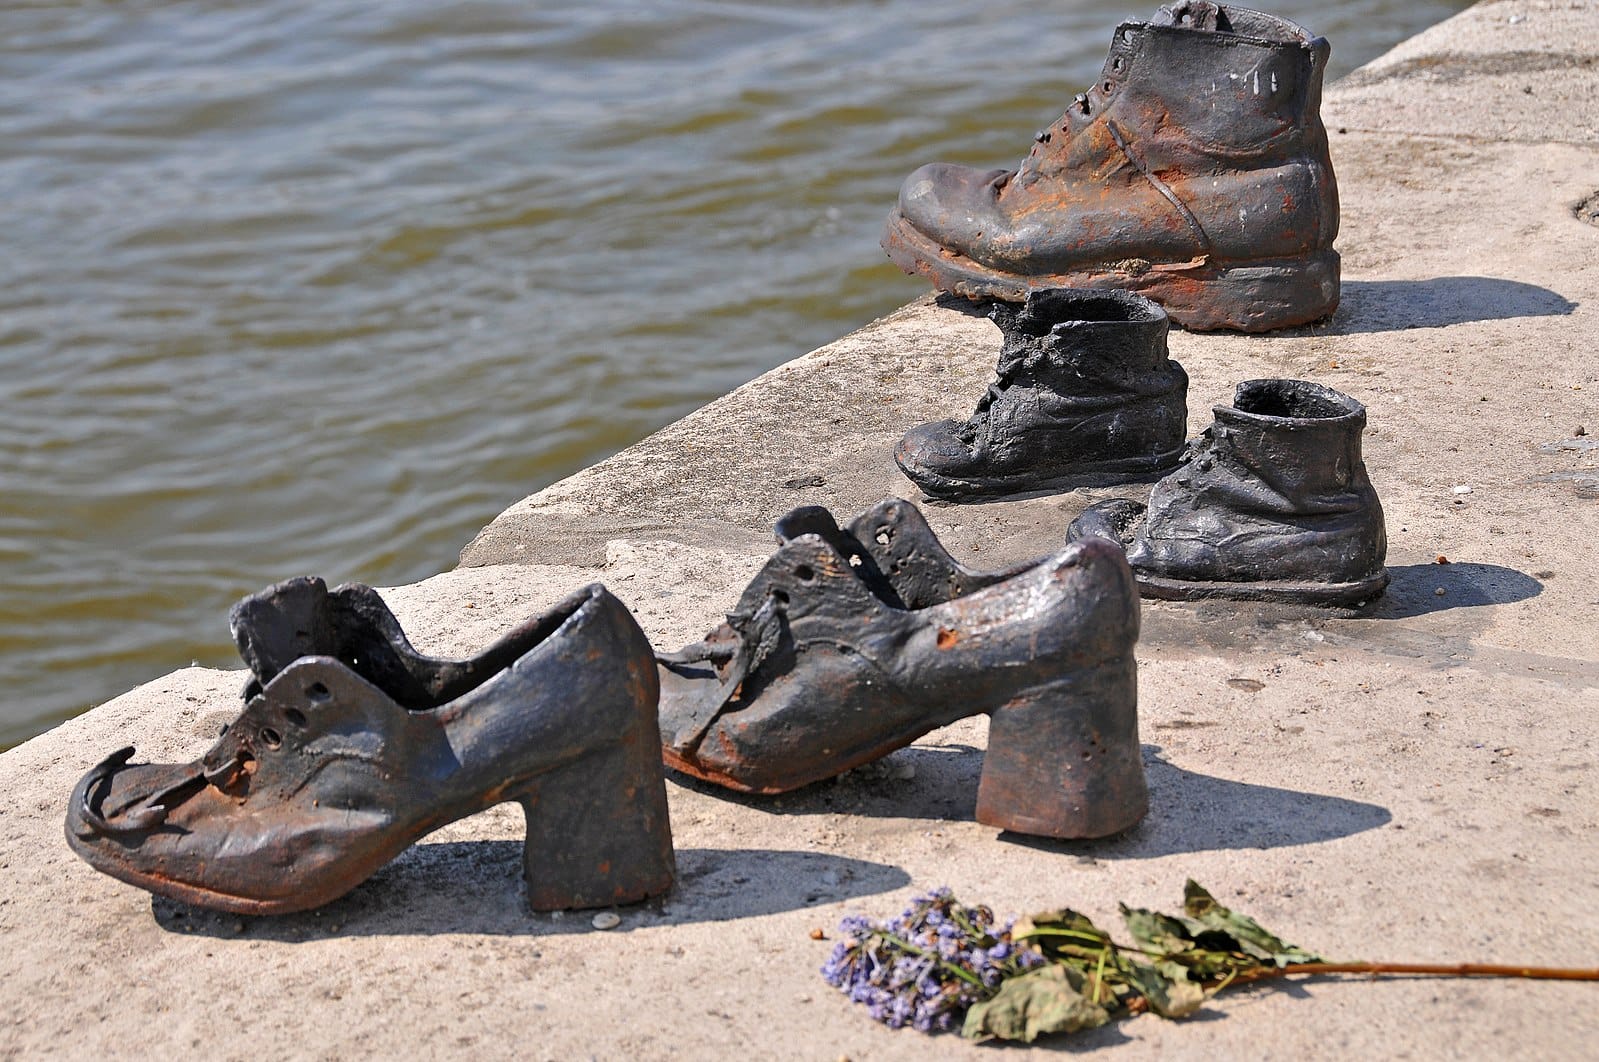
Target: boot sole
x,y
1103,474
1286,591
1202,296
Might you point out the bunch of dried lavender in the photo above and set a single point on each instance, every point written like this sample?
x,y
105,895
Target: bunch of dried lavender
x,y
928,966
941,963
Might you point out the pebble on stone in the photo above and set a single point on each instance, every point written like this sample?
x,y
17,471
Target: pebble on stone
x,y
606,920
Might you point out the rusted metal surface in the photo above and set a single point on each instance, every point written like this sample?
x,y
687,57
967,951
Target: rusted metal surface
x,y
1085,393
1194,171
352,746
1272,503
853,642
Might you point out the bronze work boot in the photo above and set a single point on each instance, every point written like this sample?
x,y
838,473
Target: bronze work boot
x,y
1195,171
1085,394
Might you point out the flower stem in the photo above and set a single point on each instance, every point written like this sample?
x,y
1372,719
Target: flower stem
x,y
964,975
1413,969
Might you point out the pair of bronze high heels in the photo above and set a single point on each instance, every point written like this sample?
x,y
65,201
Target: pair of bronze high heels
x,y
850,643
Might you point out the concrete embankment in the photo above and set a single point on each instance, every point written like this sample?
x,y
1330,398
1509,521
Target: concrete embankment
x,y
1413,781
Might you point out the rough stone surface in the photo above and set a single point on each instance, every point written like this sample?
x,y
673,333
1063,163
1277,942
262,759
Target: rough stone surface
x,y
1411,781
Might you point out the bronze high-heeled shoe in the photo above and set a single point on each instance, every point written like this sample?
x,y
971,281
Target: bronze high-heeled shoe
x,y
854,642
352,746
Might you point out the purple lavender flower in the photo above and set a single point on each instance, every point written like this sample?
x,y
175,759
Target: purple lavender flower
x,y
926,967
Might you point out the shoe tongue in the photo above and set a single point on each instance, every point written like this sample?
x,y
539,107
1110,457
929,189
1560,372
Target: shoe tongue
x,y
1195,15
282,623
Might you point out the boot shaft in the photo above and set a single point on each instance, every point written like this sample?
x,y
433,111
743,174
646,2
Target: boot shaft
x,y
1082,345
1210,116
1204,80
1300,439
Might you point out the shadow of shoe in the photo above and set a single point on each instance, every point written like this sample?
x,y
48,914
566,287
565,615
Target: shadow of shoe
x,y
930,782
961,304
1395,305
1413,589
1192,812
1189,812
476,887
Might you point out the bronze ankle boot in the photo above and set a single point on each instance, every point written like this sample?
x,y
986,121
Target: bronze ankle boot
x,y
1195,171
1272,504
1085,394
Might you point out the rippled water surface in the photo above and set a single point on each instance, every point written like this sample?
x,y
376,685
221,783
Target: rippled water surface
x,y
322,287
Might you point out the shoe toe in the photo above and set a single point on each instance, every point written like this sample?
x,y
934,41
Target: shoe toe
x,y
1112,521
952,205
933,452
116,818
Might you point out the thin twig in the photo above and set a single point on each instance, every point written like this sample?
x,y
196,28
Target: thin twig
x,y
1420,969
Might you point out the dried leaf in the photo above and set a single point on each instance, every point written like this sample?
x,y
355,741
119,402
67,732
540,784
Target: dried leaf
x,y
1156,932
1062,932
1250,936
1042,1001
1167,988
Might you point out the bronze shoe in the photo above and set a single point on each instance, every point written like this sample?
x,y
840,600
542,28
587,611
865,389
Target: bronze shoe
x,y
1085,393
352,746
853,642
1272,503
1195,171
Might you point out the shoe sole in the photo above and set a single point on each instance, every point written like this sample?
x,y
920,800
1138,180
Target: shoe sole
x,y
641,887
988,488
1202,296
1284,591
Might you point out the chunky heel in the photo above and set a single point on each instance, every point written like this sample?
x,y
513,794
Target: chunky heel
x,y
1063,758
598,833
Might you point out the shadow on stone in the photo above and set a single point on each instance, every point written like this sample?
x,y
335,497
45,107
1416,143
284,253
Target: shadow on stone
x,y
961,304
1191,812
1413,589
476,887
1395,305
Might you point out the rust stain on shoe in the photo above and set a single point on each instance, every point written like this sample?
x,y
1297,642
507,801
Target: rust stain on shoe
x,y
1201,142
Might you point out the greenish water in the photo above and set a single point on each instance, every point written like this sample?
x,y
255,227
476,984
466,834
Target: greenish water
x,y
295,287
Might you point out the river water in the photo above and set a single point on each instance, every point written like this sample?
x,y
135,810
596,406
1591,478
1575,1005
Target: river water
x,y
292,287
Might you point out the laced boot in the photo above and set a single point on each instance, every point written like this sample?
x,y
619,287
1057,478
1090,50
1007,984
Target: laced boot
x,y
853,642
1195,171
1085,394
1272,504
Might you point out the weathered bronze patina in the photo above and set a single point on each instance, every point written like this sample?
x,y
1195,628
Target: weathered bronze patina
x,y
352,746
1272,504
1195,171
1085,393
853,642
